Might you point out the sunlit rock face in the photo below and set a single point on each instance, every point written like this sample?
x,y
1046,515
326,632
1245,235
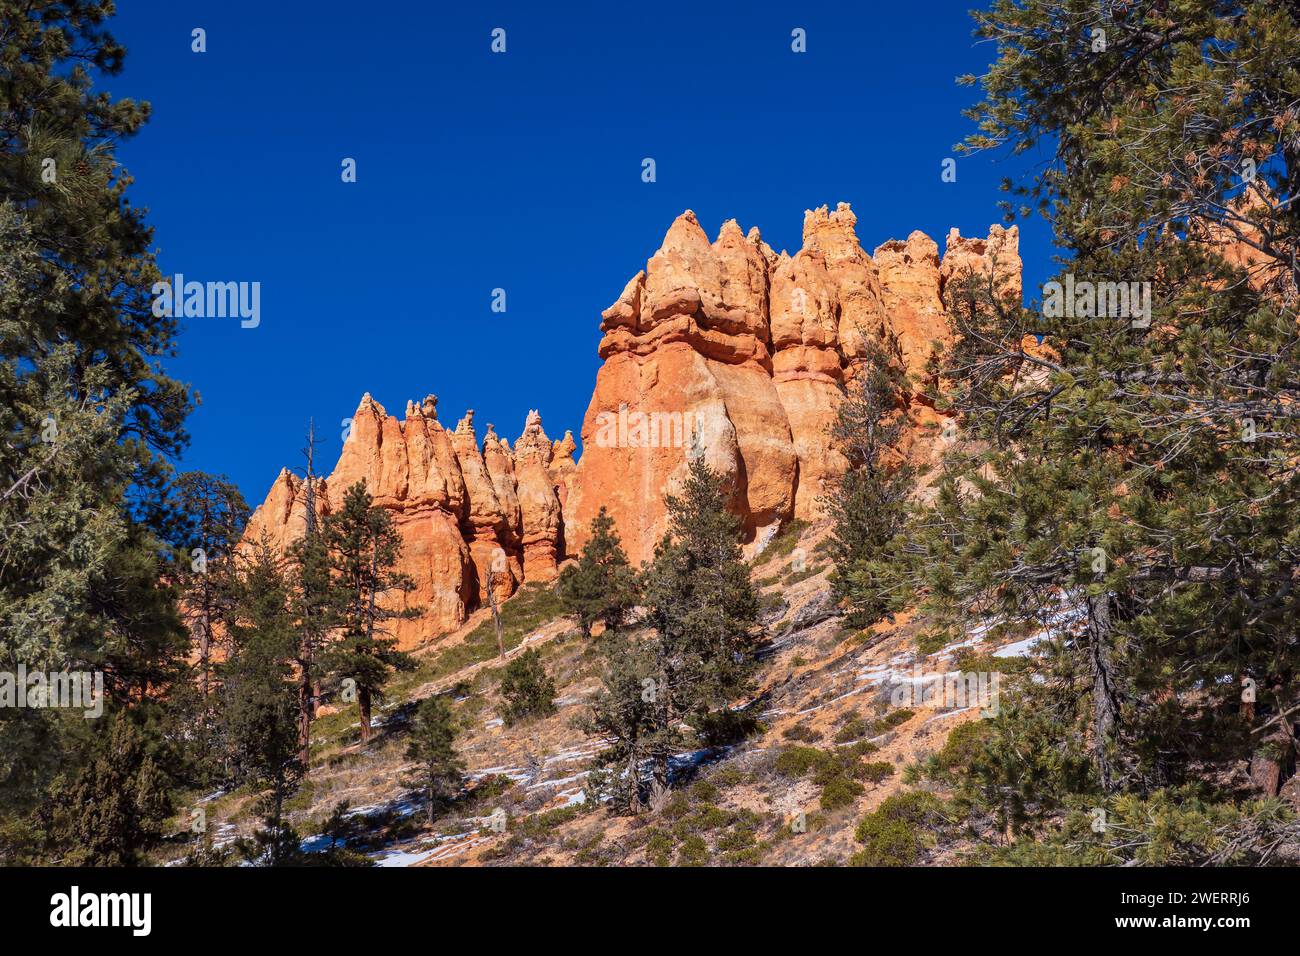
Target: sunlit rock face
x,y
746,354
724,349
459,507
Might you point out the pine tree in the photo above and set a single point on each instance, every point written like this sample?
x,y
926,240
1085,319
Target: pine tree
x,y
869,508
212,514
1130,479
623,712
602,585
432,747
259,709
118,803
364,546
527,689
88,415
314,601
701,607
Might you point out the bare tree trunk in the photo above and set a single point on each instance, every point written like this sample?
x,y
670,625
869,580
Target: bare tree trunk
x,y
634,773
1105,697
363,706
304,719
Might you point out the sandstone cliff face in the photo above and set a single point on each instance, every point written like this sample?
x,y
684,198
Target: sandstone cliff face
x,y
458,508
730,351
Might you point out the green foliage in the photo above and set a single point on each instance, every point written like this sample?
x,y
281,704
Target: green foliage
x,y
1178,827
702,607
117,804
88,416
854,728
1106,486
527,689
658,848
539,825
623,712
693,852
895,718
961,749
432,747
837,772
869,507
874,771
698,657
364,547
799,761
784,543
209,515
805,733
83,530
601,586
900,830
258,702
839,792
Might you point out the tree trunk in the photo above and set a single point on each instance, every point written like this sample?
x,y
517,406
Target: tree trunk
x,y
661,775
205,640
304,712
634,775
1105,698
306,699
363,707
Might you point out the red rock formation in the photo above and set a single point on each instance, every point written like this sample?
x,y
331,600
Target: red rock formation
x,y
723,349
539,507
282,517
562,464
747,353
457,509
500,461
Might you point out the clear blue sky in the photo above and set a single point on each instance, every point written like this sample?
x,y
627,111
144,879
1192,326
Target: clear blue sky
x,y
520,171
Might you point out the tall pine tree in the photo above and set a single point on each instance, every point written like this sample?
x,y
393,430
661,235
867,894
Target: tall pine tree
x,y
701,609
1132,481
89,417
870,506
364,546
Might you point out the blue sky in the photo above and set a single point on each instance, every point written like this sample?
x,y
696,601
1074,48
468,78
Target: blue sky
x,y
520,171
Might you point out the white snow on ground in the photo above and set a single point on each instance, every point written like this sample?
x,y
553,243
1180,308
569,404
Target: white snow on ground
x,y
558,783
943,714
438,847
580,753
1019,648
911,669
398,858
